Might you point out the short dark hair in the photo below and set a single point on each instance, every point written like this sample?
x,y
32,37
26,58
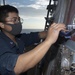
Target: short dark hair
x,y
5,9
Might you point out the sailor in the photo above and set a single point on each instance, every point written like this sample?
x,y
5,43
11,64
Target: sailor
x,y
13,60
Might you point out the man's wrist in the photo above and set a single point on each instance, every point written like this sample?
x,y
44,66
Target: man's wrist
x,y
42,34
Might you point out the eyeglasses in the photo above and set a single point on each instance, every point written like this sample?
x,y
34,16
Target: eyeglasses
x,y
21,20
15,20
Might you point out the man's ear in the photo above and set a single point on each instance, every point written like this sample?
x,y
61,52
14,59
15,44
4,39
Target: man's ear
x,y
1,25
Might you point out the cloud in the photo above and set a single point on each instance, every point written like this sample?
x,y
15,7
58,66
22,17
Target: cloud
x,y
39,4
32,8
42,2
28,11
37,8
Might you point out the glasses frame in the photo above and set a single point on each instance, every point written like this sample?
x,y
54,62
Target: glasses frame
x,y
15,20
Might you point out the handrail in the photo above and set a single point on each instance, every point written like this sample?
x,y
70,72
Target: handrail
x,y
2,2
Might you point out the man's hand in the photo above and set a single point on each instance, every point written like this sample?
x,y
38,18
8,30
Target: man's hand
x,y
53,32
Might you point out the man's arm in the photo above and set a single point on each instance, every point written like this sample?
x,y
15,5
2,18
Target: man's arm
x,y
28,60
42,35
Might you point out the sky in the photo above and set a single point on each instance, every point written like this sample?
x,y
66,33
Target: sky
x,y
33,12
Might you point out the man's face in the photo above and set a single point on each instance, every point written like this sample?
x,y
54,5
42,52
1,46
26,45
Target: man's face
x,y
12,18
12,24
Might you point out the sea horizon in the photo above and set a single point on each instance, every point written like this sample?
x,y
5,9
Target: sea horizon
x,y
31,30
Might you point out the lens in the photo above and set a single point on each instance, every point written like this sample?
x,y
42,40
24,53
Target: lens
x,y
21,20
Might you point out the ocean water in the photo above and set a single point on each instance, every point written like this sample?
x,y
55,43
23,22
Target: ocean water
x,y
31,30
